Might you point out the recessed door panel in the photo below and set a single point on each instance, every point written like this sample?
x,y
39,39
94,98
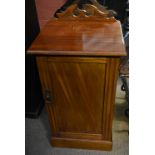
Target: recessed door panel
x,y
78,94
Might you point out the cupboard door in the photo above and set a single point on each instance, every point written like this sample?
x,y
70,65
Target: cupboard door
x,y
77,89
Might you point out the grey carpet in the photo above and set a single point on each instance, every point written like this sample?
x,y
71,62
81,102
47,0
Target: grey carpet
x,y
38,134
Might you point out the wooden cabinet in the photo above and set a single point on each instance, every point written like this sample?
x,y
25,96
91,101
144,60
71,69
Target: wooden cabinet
x,y
78,65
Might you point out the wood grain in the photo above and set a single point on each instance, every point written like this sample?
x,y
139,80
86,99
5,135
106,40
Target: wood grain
x,y
80,37
83,95
86,11
84,144
78,65
77,83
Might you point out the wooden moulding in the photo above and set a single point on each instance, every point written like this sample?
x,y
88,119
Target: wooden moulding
x,y
78,60
88,12
83,144
89,31
96,141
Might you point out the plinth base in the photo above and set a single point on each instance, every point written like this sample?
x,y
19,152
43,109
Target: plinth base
x,y
82,144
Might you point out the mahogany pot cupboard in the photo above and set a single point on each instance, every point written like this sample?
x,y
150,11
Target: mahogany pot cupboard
x,y
78,58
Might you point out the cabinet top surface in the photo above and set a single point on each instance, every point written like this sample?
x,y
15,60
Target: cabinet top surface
x,y
80,37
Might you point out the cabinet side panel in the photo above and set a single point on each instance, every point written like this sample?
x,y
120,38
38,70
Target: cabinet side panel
x,y
109,100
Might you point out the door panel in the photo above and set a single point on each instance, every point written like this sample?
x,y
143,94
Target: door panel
x,y
78,95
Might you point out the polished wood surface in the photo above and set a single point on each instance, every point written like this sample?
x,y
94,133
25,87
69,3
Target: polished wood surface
x,y
80,37
78,63
79,113
88,11
83,94
82,144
